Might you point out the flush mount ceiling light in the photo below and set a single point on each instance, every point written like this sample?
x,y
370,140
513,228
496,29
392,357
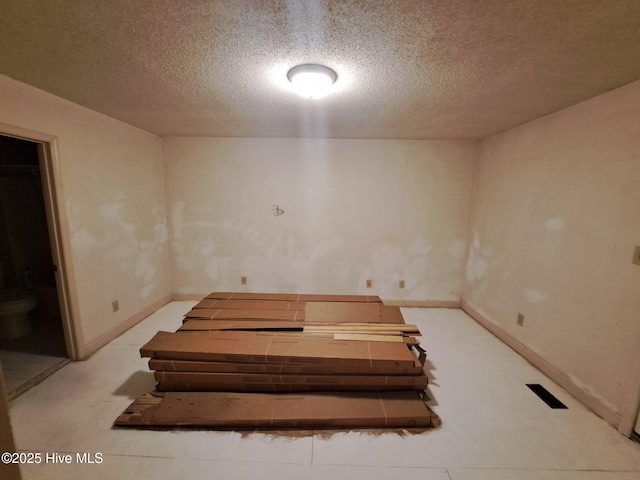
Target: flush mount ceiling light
x,y
312,81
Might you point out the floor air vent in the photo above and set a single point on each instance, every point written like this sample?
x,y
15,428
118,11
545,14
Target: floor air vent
x,y
546,396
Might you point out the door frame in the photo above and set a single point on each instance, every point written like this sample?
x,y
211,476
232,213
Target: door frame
x,y
58,232
630,415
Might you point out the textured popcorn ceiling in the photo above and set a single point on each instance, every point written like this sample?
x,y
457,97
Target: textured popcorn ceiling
x,y
432,69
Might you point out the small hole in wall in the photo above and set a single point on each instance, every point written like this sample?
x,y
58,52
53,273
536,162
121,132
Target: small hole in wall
x,y
276,211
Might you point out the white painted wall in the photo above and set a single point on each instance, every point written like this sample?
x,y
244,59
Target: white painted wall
x,y
556,220
554,226
111,192
353,210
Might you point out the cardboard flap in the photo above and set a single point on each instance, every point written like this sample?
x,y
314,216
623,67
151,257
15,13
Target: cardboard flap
x,y
422,353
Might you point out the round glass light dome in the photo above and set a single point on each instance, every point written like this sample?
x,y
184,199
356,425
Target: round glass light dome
x,y
312,81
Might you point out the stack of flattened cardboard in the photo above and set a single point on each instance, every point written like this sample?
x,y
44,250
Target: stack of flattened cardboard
x,y
248,360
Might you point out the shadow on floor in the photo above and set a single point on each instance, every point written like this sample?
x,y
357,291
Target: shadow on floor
x,y
28,360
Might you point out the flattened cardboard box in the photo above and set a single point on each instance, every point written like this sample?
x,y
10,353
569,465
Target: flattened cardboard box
x,y
243,382
390,314
404,409
231,314
262,347
339,298
199,324
250,304
284,368
293,297
366,328
362,328
202,354
285,297
342,312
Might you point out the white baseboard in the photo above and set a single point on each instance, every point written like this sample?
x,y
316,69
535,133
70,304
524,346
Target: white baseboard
x,y
90,348
422,303
178,297
592,402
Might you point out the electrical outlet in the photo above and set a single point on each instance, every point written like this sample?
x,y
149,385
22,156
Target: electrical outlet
x,y
115,306
520,320
369,283
636,256
243,280
401,284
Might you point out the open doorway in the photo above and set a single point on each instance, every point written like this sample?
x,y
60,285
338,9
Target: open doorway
x,y
32,336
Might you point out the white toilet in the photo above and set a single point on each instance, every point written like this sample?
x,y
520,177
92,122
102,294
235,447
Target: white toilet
x,y
15,305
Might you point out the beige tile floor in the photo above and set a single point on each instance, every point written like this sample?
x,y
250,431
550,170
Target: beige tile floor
x,y
27,360
22,370
493,427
